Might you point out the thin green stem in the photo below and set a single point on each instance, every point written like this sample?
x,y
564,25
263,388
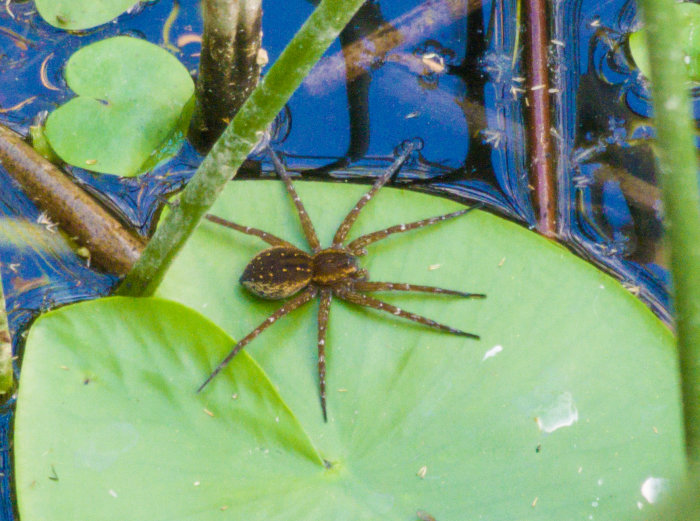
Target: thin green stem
x,y
6,374
227,154
679,168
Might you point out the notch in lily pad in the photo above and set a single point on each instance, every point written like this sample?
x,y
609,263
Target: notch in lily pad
x,y
133,105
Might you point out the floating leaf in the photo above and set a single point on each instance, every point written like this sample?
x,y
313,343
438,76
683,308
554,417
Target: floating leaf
x,y
129,437
565,408
80,14
688,34
133,107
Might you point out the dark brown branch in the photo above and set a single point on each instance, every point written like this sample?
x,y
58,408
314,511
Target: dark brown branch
x,y
112,247
407,29
542,173
229,66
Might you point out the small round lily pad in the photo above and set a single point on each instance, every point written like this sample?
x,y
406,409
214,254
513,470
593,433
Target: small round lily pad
x,y
80,14
133,106
688,35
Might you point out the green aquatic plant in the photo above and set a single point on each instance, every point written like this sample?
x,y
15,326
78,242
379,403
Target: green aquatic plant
x,y
558,404
542,432
677,154
80,14
132,110
687,36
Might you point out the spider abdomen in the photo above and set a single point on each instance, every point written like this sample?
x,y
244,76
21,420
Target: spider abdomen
x,y
277,272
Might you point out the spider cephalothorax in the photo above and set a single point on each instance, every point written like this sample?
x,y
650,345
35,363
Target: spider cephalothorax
x,y
284,271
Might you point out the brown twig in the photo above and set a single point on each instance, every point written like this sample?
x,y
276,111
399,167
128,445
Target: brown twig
x,y
407,29
637,191
112,247
542,173
229,66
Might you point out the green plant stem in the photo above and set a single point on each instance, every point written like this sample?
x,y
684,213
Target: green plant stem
x,y
678,165
6,374
244,132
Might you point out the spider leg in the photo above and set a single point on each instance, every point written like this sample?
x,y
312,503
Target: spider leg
x,y
288,307
363,285
306,223
357,246
267,237
323,310
370,302
350,219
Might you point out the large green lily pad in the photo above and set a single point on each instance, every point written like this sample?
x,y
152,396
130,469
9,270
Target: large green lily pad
x,y
80,14
108,425
133,107
565,408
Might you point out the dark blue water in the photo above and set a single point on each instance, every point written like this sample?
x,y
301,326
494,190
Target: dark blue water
x,y
453,83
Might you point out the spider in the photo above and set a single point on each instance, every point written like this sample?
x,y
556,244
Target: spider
x,y
284,271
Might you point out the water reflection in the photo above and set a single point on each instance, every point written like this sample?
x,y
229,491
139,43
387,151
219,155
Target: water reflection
x,y
610,198
653,489
560,412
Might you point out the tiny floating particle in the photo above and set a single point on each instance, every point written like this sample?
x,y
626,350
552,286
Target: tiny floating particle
x,y
492,352
186,39
434,62
559,412
424,516
262,58
654,488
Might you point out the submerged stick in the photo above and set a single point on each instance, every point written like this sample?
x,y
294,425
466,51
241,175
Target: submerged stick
x,y
112,247
540,141
229,67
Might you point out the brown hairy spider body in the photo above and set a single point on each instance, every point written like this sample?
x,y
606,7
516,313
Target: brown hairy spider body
x,y
282,271
285,271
